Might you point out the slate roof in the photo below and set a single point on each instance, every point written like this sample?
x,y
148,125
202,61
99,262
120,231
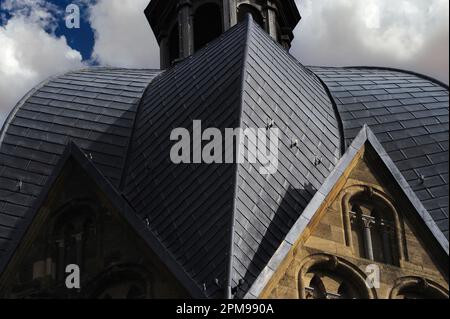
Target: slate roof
x,y
198,211
409,114
219,223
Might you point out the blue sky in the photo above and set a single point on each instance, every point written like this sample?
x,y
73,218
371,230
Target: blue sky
x,y
35,43
81,39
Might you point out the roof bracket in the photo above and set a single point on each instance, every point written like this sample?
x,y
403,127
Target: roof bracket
x,y
270,123
294,142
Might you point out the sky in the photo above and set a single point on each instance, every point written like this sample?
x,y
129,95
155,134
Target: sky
x,y
36,44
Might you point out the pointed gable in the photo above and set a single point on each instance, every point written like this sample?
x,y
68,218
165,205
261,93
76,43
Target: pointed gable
x,y
422,247
76,183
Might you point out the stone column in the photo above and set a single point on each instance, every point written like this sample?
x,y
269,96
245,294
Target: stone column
x,y
186,28
164,50
347,220
286,37
229,14
60,262
79,248
367,225
271,14
233,12
386,237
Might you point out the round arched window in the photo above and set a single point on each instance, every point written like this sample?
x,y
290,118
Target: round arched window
x,y
324,276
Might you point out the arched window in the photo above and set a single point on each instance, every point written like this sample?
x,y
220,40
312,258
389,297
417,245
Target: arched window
x,y
316,288
123,290
73,237
372,226
70,244
324,276
326,284
89,237
245,9
174,44
417,288
207,24
123,281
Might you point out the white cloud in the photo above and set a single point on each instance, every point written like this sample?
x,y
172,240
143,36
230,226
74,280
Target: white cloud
x,y
123,36
28,53
409,34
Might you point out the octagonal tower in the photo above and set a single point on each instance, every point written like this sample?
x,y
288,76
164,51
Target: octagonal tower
x,y
184,26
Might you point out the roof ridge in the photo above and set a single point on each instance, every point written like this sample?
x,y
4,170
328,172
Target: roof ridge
x,y
114,68
228,294
368,67
420,75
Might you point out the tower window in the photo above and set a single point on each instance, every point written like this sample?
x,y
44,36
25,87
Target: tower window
x,y
245,9
122,281
207,24
174,43
73,238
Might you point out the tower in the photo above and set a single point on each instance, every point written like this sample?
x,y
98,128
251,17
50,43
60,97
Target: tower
x,y
184,26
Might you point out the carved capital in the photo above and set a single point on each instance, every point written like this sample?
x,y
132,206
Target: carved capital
x,y
423,284
60,243
368,191
333,262
368,221
78,237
